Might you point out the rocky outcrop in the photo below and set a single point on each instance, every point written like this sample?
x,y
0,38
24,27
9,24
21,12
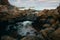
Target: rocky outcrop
x,y
58,8
4,2
7,38
31,38
45,22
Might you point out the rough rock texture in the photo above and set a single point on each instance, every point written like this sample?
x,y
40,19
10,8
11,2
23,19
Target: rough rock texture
x,y
55,35
4,2
31,38
45,22
7,38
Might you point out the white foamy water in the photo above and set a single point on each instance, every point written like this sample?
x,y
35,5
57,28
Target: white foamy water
x,y
26,28
23,28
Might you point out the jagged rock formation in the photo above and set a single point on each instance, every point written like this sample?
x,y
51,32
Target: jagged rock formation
x,y
4,2
58,8
31,38
45,22
7,38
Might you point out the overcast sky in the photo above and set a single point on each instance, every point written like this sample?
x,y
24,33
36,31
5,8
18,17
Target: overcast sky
x,y
37,4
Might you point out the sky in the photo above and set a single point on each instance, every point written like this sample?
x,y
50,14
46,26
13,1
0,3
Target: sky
x,y
35,4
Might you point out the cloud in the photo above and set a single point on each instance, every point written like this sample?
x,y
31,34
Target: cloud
x,y
38,4
42,0
53,1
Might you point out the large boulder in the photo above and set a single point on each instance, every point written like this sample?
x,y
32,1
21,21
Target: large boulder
x,y
31,38
7,38
58,8
4,2
55,35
